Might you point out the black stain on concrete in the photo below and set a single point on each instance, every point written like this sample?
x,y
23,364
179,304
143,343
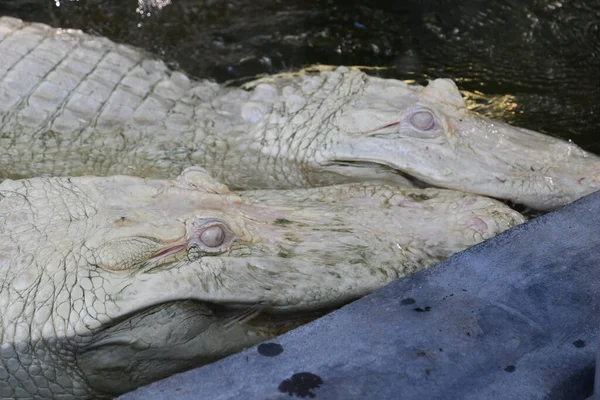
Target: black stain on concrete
x,y
424,309
269,349
301,384
408,301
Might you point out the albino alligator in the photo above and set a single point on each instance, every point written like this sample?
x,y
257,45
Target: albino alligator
x,y
108,283
75,104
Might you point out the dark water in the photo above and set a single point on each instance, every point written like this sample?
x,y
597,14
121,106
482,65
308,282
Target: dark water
x,y
537,63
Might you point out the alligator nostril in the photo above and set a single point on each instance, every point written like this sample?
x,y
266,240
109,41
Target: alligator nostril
x,y
470,201
592,180
478,225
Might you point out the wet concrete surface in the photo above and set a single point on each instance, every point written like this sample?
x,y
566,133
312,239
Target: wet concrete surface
x,y
515,317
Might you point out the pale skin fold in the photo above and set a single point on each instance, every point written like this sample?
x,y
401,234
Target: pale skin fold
x,y
109,283
73,104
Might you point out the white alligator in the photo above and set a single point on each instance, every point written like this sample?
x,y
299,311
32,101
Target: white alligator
x,y
75,104
109,283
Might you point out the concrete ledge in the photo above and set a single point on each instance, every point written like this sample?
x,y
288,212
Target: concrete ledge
x,y
515,317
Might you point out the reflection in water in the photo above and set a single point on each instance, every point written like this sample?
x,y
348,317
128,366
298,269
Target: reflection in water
x,y
542,55
147,6
501,107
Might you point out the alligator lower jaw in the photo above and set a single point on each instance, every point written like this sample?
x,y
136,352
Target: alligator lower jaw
x,y
417,183
277,321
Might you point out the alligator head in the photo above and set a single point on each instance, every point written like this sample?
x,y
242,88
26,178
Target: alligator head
x,y
373,128
114,282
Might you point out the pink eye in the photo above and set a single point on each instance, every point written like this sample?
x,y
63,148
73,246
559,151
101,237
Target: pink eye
x,y
213,236
423,120
209,235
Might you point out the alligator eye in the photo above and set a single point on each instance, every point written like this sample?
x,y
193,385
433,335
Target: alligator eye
x,y
209,235
423,120
213,236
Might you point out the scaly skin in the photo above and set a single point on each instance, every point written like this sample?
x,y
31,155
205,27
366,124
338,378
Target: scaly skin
x,y
74,104
108,283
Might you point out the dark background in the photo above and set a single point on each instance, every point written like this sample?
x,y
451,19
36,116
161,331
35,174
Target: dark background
x,y
537,63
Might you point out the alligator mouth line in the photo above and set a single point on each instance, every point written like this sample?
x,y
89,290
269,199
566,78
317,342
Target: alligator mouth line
x,y
383,168
526,211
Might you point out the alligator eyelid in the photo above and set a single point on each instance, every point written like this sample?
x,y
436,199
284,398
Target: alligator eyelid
x,y
168,251
158,258
207,222
391,124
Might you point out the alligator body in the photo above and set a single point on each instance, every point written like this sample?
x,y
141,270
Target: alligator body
x,y
75,104
108,283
